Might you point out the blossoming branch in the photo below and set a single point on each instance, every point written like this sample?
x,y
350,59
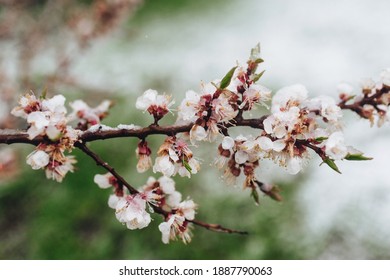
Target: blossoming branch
x,y
294,125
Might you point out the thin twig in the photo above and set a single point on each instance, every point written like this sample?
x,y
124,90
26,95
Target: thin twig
x,y
217,228
106,166
213,227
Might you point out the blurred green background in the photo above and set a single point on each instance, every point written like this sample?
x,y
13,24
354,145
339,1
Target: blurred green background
x,y
42,219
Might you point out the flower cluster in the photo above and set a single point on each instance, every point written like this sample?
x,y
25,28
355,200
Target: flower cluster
x,y
162,193
296,118
131,209
207,110
174,156
88,116
47,118
373,101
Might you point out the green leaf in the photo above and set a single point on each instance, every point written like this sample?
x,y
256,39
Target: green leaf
x,y
43,93
228,77
357,157
331,164
255,196
187,166
256,77
321,139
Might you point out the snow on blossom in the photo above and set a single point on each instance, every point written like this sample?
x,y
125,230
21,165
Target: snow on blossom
x,y
131,210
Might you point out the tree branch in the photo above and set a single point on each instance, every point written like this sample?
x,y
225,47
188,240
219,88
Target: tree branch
x,y
105,165
217,228
9,136
132,190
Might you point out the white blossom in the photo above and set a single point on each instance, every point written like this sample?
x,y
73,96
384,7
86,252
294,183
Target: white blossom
x,y
255,94
103,181
294,165
165,228
174,227
241,157
173,199
265,143
345,88
90,115
148,98
58,170
189,107
27,103
222,110
197,133
228,143
113,201
38,159
131,211
151,98
187,208
335,146
367,84
164,165
38,119
55,105
328,108
167,185
288,96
